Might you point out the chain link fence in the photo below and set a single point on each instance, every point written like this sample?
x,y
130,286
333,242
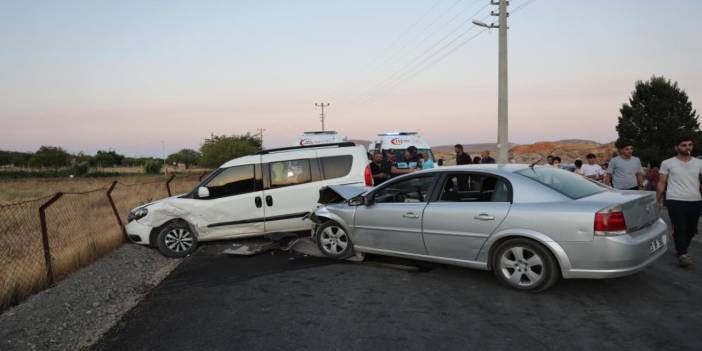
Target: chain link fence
x,y
42,240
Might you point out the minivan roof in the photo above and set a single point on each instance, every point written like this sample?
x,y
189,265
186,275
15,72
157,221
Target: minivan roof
x,y
255,158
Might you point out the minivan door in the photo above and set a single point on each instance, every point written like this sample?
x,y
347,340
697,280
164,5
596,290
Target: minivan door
x,y
468,209
292,190
234,206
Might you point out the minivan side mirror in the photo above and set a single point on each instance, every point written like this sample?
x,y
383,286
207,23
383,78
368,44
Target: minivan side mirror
x,y
203,192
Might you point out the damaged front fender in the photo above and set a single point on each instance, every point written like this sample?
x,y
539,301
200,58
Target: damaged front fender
x,y
333,194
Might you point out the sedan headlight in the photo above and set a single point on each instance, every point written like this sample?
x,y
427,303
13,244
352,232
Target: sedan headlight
x,y
137,214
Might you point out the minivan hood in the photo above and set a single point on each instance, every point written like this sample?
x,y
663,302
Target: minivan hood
x,y
339,193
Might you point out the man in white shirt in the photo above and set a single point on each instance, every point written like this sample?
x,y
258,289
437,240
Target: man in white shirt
x,y
592,170
680,180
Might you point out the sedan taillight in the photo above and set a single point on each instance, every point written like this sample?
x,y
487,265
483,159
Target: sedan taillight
x,y
610,222
368,176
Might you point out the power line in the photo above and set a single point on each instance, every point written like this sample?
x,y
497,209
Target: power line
x,y
525,4
441,15
427,63
422,59
409,29
381,60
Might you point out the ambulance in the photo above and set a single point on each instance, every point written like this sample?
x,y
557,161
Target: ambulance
x,y
398,142
319,137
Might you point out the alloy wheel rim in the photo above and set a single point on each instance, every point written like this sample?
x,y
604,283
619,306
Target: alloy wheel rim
x,y
521,266
179,240
334,240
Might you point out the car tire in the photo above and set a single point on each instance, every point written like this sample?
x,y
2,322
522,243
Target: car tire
x,y
525,265
176,239
333,241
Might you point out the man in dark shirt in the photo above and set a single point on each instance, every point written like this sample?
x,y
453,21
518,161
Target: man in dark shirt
x,y
485,157
462,158
409,163
379,169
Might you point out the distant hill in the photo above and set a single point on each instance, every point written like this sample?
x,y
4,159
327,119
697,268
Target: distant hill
x,y
568,150
470,148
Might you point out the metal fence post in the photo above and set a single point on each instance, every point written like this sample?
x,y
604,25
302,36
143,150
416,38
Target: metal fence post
x,y
168,184
114,209
45,237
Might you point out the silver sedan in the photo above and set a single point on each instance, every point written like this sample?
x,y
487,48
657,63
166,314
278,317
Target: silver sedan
x,y
530,225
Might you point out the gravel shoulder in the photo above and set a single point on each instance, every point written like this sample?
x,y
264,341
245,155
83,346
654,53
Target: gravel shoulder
x,y
79,309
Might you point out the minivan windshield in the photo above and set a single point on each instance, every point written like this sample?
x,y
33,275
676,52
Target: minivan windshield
x,y
562,181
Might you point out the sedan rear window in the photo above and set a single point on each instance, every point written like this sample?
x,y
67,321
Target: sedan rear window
x,y
562,181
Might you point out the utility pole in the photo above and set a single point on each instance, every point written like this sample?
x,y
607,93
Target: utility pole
x,y
502,87
163,153
322,106
260,135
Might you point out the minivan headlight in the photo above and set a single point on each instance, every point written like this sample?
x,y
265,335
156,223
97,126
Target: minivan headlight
x,y
137,214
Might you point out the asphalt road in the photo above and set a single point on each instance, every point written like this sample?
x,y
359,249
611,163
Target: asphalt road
x,y
283,301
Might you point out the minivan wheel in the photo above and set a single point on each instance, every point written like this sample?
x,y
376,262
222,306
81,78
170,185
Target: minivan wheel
x,y
333,241
176,240
523,264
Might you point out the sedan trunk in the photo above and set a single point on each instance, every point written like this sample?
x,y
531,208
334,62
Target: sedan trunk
x,y
639,208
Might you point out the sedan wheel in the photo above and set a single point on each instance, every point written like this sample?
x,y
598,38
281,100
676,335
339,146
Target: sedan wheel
x,y
522,266
333,241
525,265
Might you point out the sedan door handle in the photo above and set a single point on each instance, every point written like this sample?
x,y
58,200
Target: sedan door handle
x,y
484,217
411,215
269,201
258,202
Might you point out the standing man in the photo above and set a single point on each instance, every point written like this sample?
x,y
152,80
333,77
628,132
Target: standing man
x,y
679,178
462,158
625,171
485,157
379,169
409,165
592,170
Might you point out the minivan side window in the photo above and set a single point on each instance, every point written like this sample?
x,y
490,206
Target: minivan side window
x,y
336,166
474,188
292,172
232,181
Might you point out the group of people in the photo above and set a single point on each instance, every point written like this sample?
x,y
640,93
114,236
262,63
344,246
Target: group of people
x,y
388,166
384,168
676,183
462,158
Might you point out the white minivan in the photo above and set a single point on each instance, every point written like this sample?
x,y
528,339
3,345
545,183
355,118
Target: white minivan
x,y
249,196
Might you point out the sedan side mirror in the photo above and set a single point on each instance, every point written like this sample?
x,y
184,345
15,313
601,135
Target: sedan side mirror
x,y
357,201
203,192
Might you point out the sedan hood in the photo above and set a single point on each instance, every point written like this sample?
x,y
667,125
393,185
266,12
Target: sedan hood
x,y
339,193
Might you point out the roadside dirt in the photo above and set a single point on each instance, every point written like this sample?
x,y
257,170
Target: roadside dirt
x,y
78,310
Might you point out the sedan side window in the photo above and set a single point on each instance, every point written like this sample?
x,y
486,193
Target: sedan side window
x,y
412,190
232,181
474,188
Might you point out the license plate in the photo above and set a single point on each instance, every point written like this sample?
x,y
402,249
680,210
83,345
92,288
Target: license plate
x,y
655,245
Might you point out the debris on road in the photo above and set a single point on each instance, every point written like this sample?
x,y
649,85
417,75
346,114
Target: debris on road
x,y
250,248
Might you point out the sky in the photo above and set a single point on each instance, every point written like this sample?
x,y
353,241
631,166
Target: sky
x,y
135,76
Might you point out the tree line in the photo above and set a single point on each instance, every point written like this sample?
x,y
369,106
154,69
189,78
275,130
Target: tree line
x,y
214,151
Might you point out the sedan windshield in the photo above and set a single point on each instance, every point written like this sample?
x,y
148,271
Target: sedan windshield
x,y
564,182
